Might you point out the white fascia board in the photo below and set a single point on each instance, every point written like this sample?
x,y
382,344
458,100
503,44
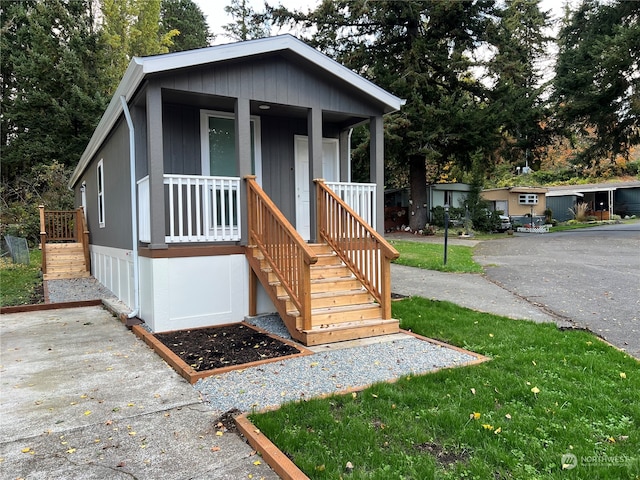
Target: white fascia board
x,y
563,193
218,53
142,66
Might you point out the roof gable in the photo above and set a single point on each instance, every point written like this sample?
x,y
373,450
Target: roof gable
x,y
140,67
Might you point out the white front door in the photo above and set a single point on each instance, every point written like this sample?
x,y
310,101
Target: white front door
x,y
330,172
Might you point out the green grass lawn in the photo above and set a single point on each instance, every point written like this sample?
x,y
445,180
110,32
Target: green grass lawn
x,y
545,393
430,256
19,283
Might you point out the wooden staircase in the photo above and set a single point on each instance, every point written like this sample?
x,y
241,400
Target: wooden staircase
x,y
64,240
65,260
341,308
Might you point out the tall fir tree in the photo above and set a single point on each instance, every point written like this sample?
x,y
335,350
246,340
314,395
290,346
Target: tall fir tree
x,y
420,51
519,92
597,84
185,17
132,28
247,24
52,82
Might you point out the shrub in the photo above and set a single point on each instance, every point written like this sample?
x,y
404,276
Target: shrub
x,y
579,212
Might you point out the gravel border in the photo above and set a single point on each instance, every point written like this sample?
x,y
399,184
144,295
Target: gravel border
x,y
334,370
326,372
76,289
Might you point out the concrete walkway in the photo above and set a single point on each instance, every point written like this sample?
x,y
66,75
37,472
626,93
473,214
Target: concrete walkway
x,y
469,290
83,398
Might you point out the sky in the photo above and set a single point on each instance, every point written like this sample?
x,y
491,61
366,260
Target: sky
x,y
217,17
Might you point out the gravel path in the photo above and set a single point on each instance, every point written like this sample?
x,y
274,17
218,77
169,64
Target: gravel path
x,y
77,289
326,372
350,365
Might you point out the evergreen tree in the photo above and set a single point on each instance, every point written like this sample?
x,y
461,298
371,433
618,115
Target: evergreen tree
x,y
132,28
518,94
185,17
52,88
597,85
420,51
247,23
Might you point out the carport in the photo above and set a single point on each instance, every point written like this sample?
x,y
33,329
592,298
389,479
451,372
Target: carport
x,y
604,199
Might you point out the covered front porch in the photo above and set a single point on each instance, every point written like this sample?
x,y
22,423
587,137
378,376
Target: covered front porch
x,y
273,182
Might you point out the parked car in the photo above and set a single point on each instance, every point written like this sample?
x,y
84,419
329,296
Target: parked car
x,y
505,223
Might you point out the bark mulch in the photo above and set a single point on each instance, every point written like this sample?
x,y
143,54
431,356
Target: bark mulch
x,y
229,345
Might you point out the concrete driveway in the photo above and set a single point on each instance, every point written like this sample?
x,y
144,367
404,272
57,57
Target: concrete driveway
x,y
590,277
83,398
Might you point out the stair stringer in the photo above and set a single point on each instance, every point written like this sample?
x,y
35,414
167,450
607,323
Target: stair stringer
x,y
291,322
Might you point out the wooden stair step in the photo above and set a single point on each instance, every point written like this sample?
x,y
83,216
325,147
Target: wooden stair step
x,y
334,299
350,331
65,275
330,271
345,313
334,284
321,248
340,313
64,246
328,259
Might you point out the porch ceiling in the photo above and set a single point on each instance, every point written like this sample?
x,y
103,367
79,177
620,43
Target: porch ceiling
x,y
342,119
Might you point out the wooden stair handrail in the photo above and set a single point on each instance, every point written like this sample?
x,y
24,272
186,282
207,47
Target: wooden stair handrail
x,y
357,244
83,236
287,254
43,240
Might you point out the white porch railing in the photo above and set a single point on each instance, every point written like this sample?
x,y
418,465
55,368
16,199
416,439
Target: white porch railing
x,y
361,197
198,209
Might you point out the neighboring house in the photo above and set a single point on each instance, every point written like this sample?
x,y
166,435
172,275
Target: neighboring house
x,y
201,165
604,199
519,203
452,194
438,195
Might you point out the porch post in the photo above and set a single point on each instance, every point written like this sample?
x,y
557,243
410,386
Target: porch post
x,y
376,169
155,161
314,132
243,158
345,155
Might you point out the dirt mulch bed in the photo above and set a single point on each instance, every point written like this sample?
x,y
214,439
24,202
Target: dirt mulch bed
x,y
202,352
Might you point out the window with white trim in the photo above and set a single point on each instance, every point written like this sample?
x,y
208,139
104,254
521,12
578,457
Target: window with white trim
x,y
218,142
100,188
448,197
528,199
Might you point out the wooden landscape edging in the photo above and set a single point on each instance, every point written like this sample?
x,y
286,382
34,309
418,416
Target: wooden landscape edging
x,y
192,375
49,306
279,462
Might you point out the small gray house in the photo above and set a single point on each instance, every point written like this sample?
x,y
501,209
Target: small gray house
x,y
217,185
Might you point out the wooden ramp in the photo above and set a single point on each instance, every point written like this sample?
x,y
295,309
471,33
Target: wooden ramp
x,y
341,308
65,260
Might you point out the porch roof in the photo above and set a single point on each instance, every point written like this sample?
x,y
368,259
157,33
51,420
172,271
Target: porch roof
x,y
140,67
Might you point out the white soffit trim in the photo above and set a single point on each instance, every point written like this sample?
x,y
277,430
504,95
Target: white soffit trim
x,y
142,66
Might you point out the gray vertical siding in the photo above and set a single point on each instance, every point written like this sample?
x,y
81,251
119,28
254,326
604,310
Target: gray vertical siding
x,y
117,198
560,207
278,164
272,79
181,135
627,201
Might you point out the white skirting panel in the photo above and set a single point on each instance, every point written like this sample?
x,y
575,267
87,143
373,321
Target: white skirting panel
x,y
113,268
191,292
